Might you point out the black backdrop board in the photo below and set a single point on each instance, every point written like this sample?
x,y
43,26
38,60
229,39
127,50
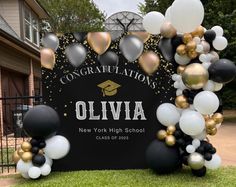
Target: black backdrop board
x,y
101,139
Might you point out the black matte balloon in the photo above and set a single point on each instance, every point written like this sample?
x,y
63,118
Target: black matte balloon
x,y
176,41
162,158
80,36
108,59
209,36
35,150
208,156
34,142
41,121
200,172
222,71
42,144
38,160
166,47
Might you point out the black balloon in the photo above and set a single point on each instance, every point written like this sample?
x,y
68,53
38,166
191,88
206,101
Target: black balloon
x,y
108,59
222,71
162,158
200,172
176,41
42,144
41,121
209,36
80,36
208,156
38,160
34,142
35,150
166,47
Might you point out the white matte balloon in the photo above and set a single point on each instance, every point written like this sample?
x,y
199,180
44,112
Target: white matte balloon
x,y
167,114
167,14
182,60
186,15
218,30
218,86
25,175
190,149
201,136
210,86
206,102
23,167
192,123
214,163
220,43
45,170
206,65
153,21
196,143
48,161
57,147
34,172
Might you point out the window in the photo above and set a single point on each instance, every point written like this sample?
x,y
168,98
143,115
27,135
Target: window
x,y
31,28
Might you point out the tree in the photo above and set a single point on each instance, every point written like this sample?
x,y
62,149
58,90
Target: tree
x,y
217,12
73,15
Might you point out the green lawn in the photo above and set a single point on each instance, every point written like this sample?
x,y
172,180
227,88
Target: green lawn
x,y
225,177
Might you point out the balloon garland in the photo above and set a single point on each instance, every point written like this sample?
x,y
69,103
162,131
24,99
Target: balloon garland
x,y
199,74
186,123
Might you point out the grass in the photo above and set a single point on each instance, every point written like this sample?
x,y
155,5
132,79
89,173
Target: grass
x,y
224,177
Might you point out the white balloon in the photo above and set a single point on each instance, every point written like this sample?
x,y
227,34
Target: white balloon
x,y
206,102
153,21
203,58
34,172
196,143
57,147
167,114
199,48
186,110
45,170
186,15
220,43
48,161
197,40
206,65
214,163
176,84
192,123
190,149
182,85
174,77
201,136
179,92
218,30
23,167
218,86
182,60
167,14
25,175
210,86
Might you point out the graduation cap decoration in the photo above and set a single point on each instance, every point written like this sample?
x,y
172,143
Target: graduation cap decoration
x,y
109,88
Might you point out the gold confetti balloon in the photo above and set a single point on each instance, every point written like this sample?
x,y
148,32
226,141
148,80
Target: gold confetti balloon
x,y
181,49
191,46
187,38
195,76
99,41
199,32
47,58
170,140
149,62
144,36
181,102
27,156
167,30
16,157
161,134
26,146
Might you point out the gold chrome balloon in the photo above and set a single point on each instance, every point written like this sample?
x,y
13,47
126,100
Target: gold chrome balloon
x,y
181,49
170,140
99,41
27,156
212,132
180,69
20,152
26,146
181,102
187,38
144,36
206,117
161,134
170,130
210,124
167,30
199,31
196,161
191,46
218,118
195,76
149,62
16,157
47,58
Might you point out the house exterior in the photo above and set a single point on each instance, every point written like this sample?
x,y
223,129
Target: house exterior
x,y
20,69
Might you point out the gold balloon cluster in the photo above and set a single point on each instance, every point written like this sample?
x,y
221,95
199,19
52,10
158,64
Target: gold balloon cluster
x,y
189,46
181,102
211,122
167,135
24,153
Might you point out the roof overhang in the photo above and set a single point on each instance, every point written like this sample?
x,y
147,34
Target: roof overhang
x,y
19,45
38,9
